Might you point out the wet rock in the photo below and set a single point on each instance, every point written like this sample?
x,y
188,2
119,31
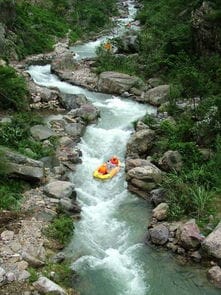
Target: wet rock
x,y
214,275
72,101
159,234
196,256
87,112
190,237
75,130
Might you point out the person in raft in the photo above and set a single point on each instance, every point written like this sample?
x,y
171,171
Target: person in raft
x,y
103,169
113,162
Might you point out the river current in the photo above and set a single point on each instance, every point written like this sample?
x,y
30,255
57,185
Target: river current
x,y
107,249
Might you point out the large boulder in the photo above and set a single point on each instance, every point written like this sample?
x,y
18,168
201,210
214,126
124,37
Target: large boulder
x,y
72,101
23,167
212,243
142,180
117,83
148,173
75,130
87,112
156,96
59,189
161,211
41,132
157,196
170,161
63,62
132,163
40,93
189,235
140,143
46,286
159,234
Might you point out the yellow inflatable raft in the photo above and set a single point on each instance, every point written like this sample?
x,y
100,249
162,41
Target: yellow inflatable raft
x,y
112,172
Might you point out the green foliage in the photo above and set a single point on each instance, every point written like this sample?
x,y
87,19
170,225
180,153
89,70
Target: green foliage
x,y
187,198
106,61
10,193
61,229
16,135
92,15
63,273
12,90
36,27
33,275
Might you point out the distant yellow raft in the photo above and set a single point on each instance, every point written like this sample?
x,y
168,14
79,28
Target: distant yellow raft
x,y
109,175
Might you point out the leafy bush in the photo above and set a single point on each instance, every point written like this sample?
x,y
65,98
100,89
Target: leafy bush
x,y
106,61
36,27
13,92
63,273
10,193
61,229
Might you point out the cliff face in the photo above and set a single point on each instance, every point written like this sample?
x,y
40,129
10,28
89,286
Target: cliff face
x,y
206,30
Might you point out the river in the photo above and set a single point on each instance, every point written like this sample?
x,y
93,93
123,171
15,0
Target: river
x,y
107,249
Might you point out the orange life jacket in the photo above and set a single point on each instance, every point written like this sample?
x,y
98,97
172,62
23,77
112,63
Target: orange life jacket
x,y
102,169
114,161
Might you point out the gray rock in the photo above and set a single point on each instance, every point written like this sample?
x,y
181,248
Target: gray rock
x,y
59,189
10,277
214,275
149,173
161,211
159,234
72,101
157,196
154,82
75,130
140,143
32,261
87,112
212,243
156,96
23,167
118,83
46,286
41,132
190,237
171,161
58,258
7,235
